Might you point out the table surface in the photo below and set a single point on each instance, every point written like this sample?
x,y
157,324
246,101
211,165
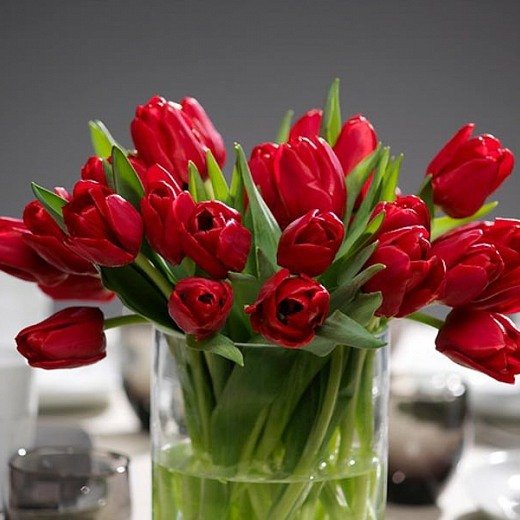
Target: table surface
x,y
117,428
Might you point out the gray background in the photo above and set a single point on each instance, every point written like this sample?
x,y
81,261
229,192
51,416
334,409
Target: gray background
x,y
417,69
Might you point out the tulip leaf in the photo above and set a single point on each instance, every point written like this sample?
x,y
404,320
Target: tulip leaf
x,y
363,307
339,329
391,178
426,194
102,140
218,181
138,293
52,202
109,174
285,127
347,290
442,225
126,181
245,290
331,123
218,344
196,184
350,264
357,178
236,191
266,229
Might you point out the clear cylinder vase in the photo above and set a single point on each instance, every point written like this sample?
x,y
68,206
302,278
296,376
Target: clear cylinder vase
x,y
288,436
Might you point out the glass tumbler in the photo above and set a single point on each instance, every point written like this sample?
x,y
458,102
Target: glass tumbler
x,y
73,483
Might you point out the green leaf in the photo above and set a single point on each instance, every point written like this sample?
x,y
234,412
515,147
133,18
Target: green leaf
x,y
285,127
363,307
196,184
102,140
218,181
426,194
339,329
359,237
220,345
266,229
347,290
357,178
236,191
51,202
245,291
351,265
442,225
391,179
127,183
109,174
138,293
331,123
264,266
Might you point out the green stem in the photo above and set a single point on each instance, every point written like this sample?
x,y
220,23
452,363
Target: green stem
x,y
283,507
421,317
120,321
162,283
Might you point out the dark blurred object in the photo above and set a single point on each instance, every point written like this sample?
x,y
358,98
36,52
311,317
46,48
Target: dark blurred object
x,y
73,483
136,344
428,429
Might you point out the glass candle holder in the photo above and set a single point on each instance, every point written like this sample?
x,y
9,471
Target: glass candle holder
x,y
72,483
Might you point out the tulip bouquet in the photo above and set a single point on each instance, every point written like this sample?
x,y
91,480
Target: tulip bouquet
x,y
273,291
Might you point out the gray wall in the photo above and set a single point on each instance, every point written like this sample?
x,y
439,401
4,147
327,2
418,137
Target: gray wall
x,y
418,70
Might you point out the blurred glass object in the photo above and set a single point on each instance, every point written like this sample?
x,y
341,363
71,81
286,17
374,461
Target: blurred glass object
x,y
69,483
136,347
18,407
428,427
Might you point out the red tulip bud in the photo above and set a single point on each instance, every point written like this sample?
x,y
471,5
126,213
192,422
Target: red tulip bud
x,y
79,287
407,210
309,244
411,278
49,241
214,237
70,338
467,170
104,228
484,341
19,259
297,177
200,306
172,134
289,309
308,125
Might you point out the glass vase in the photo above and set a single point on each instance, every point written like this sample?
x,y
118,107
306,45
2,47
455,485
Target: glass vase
x,y
287,436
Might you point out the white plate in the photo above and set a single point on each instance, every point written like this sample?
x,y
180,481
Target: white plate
x,y
495,486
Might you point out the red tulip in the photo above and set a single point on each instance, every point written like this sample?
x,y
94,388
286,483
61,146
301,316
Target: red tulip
x,y
79,287
70,338
498,287
49,241
297,177
487,342
471,265
467,170
289,309
309,244
172,134
104,228
308,125
407,210
214,237
200,306
93,169
163,207
156,174
412,277
356,141
19,259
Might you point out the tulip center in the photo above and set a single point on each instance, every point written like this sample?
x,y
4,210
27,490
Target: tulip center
x,y
206,298
288,307
205,221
